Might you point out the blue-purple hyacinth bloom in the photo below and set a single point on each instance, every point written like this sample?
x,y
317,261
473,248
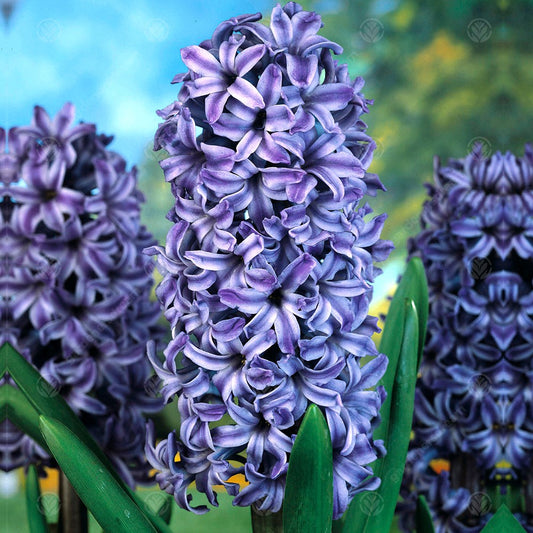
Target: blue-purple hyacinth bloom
x,y
75,283
474,402
268,268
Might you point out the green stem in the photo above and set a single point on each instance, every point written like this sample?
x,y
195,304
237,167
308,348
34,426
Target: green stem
x,y
72,513
266,522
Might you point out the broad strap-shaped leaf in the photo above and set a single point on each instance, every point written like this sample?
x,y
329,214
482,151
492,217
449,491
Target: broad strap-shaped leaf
x,y
3,358
18,410
34,508
372,512
46,402
503,521
413,285
99,490
308,503
423,520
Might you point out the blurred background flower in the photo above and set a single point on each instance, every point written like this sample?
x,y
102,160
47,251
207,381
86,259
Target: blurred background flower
x,y
473,425
75,284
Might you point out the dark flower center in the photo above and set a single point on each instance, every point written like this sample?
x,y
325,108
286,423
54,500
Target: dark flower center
x,y
74,244
260,120
230,79
276,298
77,311
49,194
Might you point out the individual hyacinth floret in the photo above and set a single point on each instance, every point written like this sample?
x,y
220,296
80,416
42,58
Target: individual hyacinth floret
x,y
269,265
474,402
75,284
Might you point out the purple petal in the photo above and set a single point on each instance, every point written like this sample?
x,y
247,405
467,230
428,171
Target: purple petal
x,y
248,58
297,272
214,105
228,50
249,301
332,96
246,93
281,27
301,70
279,118
248,145
269,85
201,61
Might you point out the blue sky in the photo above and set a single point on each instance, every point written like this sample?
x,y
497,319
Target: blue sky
x,y
113,59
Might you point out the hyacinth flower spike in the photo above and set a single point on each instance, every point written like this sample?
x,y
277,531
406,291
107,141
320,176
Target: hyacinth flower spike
x,y
75,285
268,268
473,420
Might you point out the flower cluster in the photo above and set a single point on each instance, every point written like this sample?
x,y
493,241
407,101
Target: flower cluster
x,y
269,265
474,400
75,283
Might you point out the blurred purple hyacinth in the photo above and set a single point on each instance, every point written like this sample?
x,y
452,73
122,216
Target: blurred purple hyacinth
x,y
269,266
75,284
474,401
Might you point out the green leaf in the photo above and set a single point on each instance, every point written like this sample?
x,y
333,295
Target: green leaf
x,y
372,512
308,504
424,522
413,285
46,401
503,521
3,358
35,512
18,410
104,497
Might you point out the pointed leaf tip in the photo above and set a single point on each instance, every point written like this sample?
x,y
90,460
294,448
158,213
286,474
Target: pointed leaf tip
x,y
503,520
308,504
34,507
424,522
